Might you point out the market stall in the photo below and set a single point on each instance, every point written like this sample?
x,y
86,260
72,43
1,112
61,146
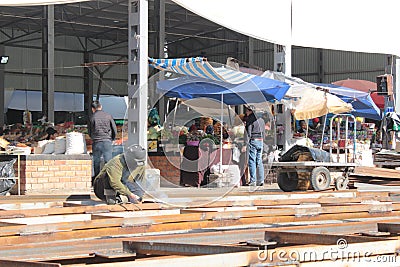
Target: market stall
x,y
254,90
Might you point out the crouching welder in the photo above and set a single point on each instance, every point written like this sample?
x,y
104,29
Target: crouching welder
x,y
118,181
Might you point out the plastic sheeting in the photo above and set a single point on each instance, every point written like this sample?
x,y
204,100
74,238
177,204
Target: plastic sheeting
x,y
293,153
7,171
361,26
256,90
362,102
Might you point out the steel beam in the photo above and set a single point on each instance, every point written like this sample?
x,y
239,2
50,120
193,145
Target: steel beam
x,y
161,248
393,228
298,237
27,264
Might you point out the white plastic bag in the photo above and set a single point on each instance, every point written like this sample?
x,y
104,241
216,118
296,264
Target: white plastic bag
x,y
40,147
60,145
74,144
49,147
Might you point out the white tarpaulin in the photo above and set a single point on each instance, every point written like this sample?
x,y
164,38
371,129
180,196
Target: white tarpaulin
x,y
351,25
36,2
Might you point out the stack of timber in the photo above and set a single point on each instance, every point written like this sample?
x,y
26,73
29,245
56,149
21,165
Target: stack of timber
x,y
388,158
375,175
242,228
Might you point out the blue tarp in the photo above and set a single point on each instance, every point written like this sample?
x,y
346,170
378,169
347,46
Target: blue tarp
x,y
362,102
256,90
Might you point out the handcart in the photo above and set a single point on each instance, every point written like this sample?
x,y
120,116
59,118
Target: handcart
x,y
303,168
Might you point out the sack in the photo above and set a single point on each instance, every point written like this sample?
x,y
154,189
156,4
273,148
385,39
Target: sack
x,y
60,145
7,170
49,147
75,144
40,147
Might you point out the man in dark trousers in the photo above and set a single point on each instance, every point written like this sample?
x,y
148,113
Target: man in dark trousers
x,y
103,131
255,132
120,178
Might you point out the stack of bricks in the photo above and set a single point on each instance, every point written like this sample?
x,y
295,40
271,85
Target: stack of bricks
x,y
169,167
54,174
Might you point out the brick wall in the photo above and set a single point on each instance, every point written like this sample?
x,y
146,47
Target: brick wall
x,y
54,174
169,168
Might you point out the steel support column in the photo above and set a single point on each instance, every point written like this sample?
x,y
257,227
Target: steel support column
x,y
137,72
88,85
283,63
2,88
160,24
251,51
48,62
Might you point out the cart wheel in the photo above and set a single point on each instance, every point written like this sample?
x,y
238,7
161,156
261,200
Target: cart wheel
x,y
341,183
287,181
320,178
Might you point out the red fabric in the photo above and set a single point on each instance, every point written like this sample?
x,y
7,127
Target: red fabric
x,y
364,86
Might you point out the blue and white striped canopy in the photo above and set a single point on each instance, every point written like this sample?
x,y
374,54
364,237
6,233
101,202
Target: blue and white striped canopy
x,y
199,67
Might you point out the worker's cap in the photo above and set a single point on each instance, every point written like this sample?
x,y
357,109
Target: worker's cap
x,y
96,104
135,153
315,120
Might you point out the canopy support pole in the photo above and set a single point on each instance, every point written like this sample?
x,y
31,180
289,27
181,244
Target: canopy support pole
x,y
397,86
222,132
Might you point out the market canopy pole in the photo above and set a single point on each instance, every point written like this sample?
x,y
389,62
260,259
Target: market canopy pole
x,y
137,72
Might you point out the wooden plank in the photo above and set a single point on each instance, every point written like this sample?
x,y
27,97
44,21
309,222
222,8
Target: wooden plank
x,y
264,215
75,248
201,224
32,205
132,214
49,219
81,209
383,173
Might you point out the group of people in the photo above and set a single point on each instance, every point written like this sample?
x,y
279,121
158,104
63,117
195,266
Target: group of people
x,y
117,181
